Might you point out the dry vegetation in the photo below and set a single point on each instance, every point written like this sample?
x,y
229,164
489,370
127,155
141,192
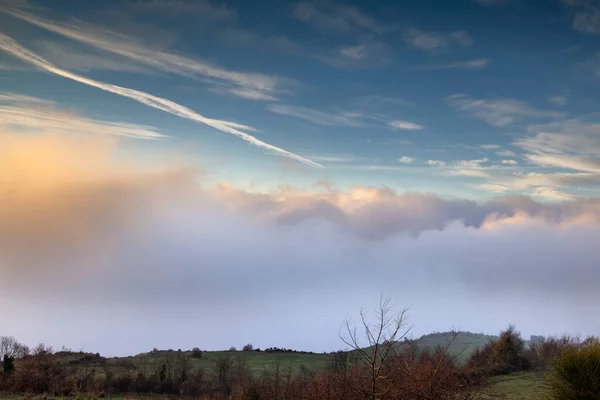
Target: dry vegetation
x,y
381,364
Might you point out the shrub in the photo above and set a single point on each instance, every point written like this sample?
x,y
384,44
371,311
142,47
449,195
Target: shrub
x,y
540,355
8,364
503,355
196,353
575,374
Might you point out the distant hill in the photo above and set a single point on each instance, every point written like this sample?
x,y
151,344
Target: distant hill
x,y
462,346
260,361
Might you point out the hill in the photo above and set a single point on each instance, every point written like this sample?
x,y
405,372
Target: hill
x,y
255,361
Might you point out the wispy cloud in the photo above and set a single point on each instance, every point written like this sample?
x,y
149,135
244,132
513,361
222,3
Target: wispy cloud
x,y
406,160
587,17
490,146
336,158
367,53
435,43
250,94
509,162
500,112
79,60
557,100
405,125
12,47
471,65
203,9
149,57
436,163
316,116
340,19
375,100
505,153
32,114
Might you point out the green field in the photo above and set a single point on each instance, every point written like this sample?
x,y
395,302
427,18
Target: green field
x,y
520,386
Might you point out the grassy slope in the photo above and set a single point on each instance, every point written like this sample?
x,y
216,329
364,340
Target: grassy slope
x,y
520,386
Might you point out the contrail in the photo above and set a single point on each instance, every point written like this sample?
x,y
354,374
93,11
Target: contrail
x,y
12,47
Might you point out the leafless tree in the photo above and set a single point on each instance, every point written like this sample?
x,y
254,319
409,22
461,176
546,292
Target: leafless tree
x,y
382,337
223,366
7,346
42,349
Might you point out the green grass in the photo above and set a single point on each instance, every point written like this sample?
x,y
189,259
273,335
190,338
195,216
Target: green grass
x,y
518,386
258,362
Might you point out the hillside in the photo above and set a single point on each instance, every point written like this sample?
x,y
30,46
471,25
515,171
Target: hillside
x,y
257,362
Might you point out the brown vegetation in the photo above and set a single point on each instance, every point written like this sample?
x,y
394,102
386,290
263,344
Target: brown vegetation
x,y
387,366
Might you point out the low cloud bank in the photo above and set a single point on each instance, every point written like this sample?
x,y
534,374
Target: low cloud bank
x,y
118,257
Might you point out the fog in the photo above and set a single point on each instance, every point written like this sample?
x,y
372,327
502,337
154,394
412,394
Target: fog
x,y
118,257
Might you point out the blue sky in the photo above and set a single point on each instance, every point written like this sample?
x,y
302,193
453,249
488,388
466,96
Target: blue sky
x,y
467,98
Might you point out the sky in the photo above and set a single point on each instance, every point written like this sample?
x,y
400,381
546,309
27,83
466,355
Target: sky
x,y
178,173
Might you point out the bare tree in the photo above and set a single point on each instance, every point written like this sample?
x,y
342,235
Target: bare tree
x,y
382,337
7,345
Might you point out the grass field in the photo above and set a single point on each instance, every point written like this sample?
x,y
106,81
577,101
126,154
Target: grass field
x,y
520,386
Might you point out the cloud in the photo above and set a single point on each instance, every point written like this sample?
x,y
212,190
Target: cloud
x,y
406,160
435,43
316,116
12,47
203,9
35,115
587,17
74,59
149,57
405,125
244,93
505,153
471,65
570,144
340,19
83,234
335,158
509,162
472,164
500,112
436,163
490,146
375,100
367,53
557,100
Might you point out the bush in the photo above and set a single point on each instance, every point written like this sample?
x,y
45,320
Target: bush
x,y
540,355
8,365
501,356
196,353
575,374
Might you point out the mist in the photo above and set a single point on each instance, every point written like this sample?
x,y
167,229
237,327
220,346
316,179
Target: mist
x,y
120,258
